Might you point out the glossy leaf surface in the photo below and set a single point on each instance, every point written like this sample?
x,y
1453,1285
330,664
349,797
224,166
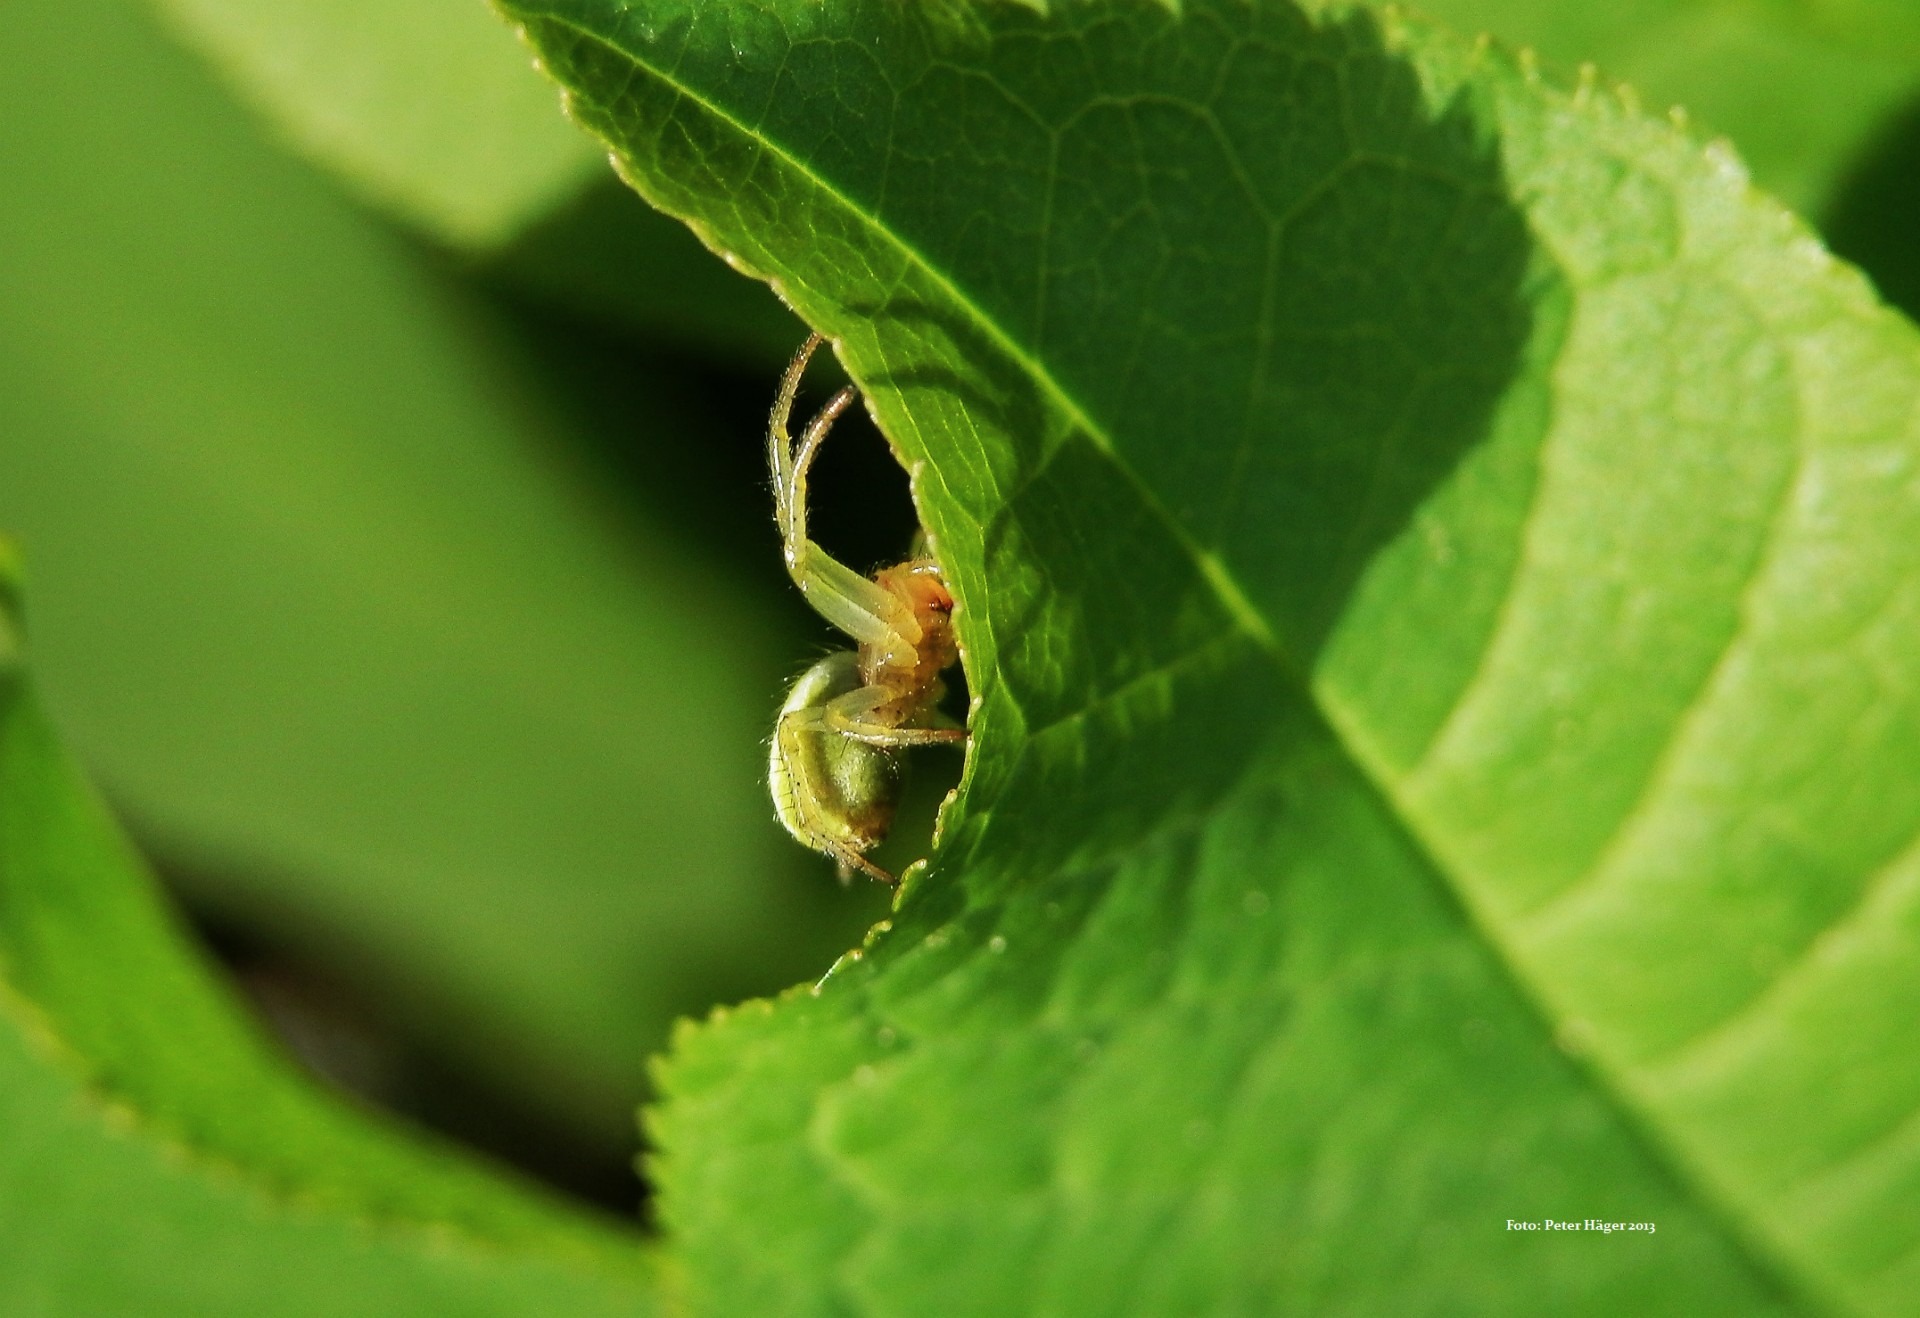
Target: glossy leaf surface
x,y
1435,554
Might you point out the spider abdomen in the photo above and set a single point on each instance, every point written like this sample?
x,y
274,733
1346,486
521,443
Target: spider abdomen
x,y
832,792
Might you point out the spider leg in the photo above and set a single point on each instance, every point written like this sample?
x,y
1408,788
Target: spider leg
x,y
852,860
791,498
779,443
851,602
852,715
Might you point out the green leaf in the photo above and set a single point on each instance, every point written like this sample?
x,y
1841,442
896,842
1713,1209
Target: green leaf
x,y
1435,556
328,600
1802,89
425,105
144,1127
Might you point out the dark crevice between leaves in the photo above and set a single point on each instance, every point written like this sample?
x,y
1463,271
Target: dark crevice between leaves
x,y
1872,219
611,255
717,497
348,1042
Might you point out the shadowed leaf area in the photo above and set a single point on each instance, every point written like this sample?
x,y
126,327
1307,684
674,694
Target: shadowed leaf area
x,y
1871,220
1434,554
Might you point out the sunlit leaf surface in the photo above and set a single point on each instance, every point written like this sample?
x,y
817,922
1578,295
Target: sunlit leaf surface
x,y
1802,89
424,105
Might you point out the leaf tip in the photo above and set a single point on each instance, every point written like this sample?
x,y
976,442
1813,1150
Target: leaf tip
x,y
1724,159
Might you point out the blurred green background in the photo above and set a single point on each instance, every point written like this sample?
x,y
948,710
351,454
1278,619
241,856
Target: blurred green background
x,y
400,559
415,600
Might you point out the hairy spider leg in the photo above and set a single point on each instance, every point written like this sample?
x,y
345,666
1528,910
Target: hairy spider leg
x,y
864,610
854,715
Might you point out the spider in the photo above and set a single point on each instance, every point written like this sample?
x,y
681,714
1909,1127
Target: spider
x,y
838,760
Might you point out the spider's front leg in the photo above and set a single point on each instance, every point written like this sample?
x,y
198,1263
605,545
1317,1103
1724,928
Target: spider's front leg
x,y
857,606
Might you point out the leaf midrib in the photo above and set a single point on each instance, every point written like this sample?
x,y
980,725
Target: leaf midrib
x,y
1248,619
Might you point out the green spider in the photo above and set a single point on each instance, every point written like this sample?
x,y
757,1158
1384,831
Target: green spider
x,y
838,760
